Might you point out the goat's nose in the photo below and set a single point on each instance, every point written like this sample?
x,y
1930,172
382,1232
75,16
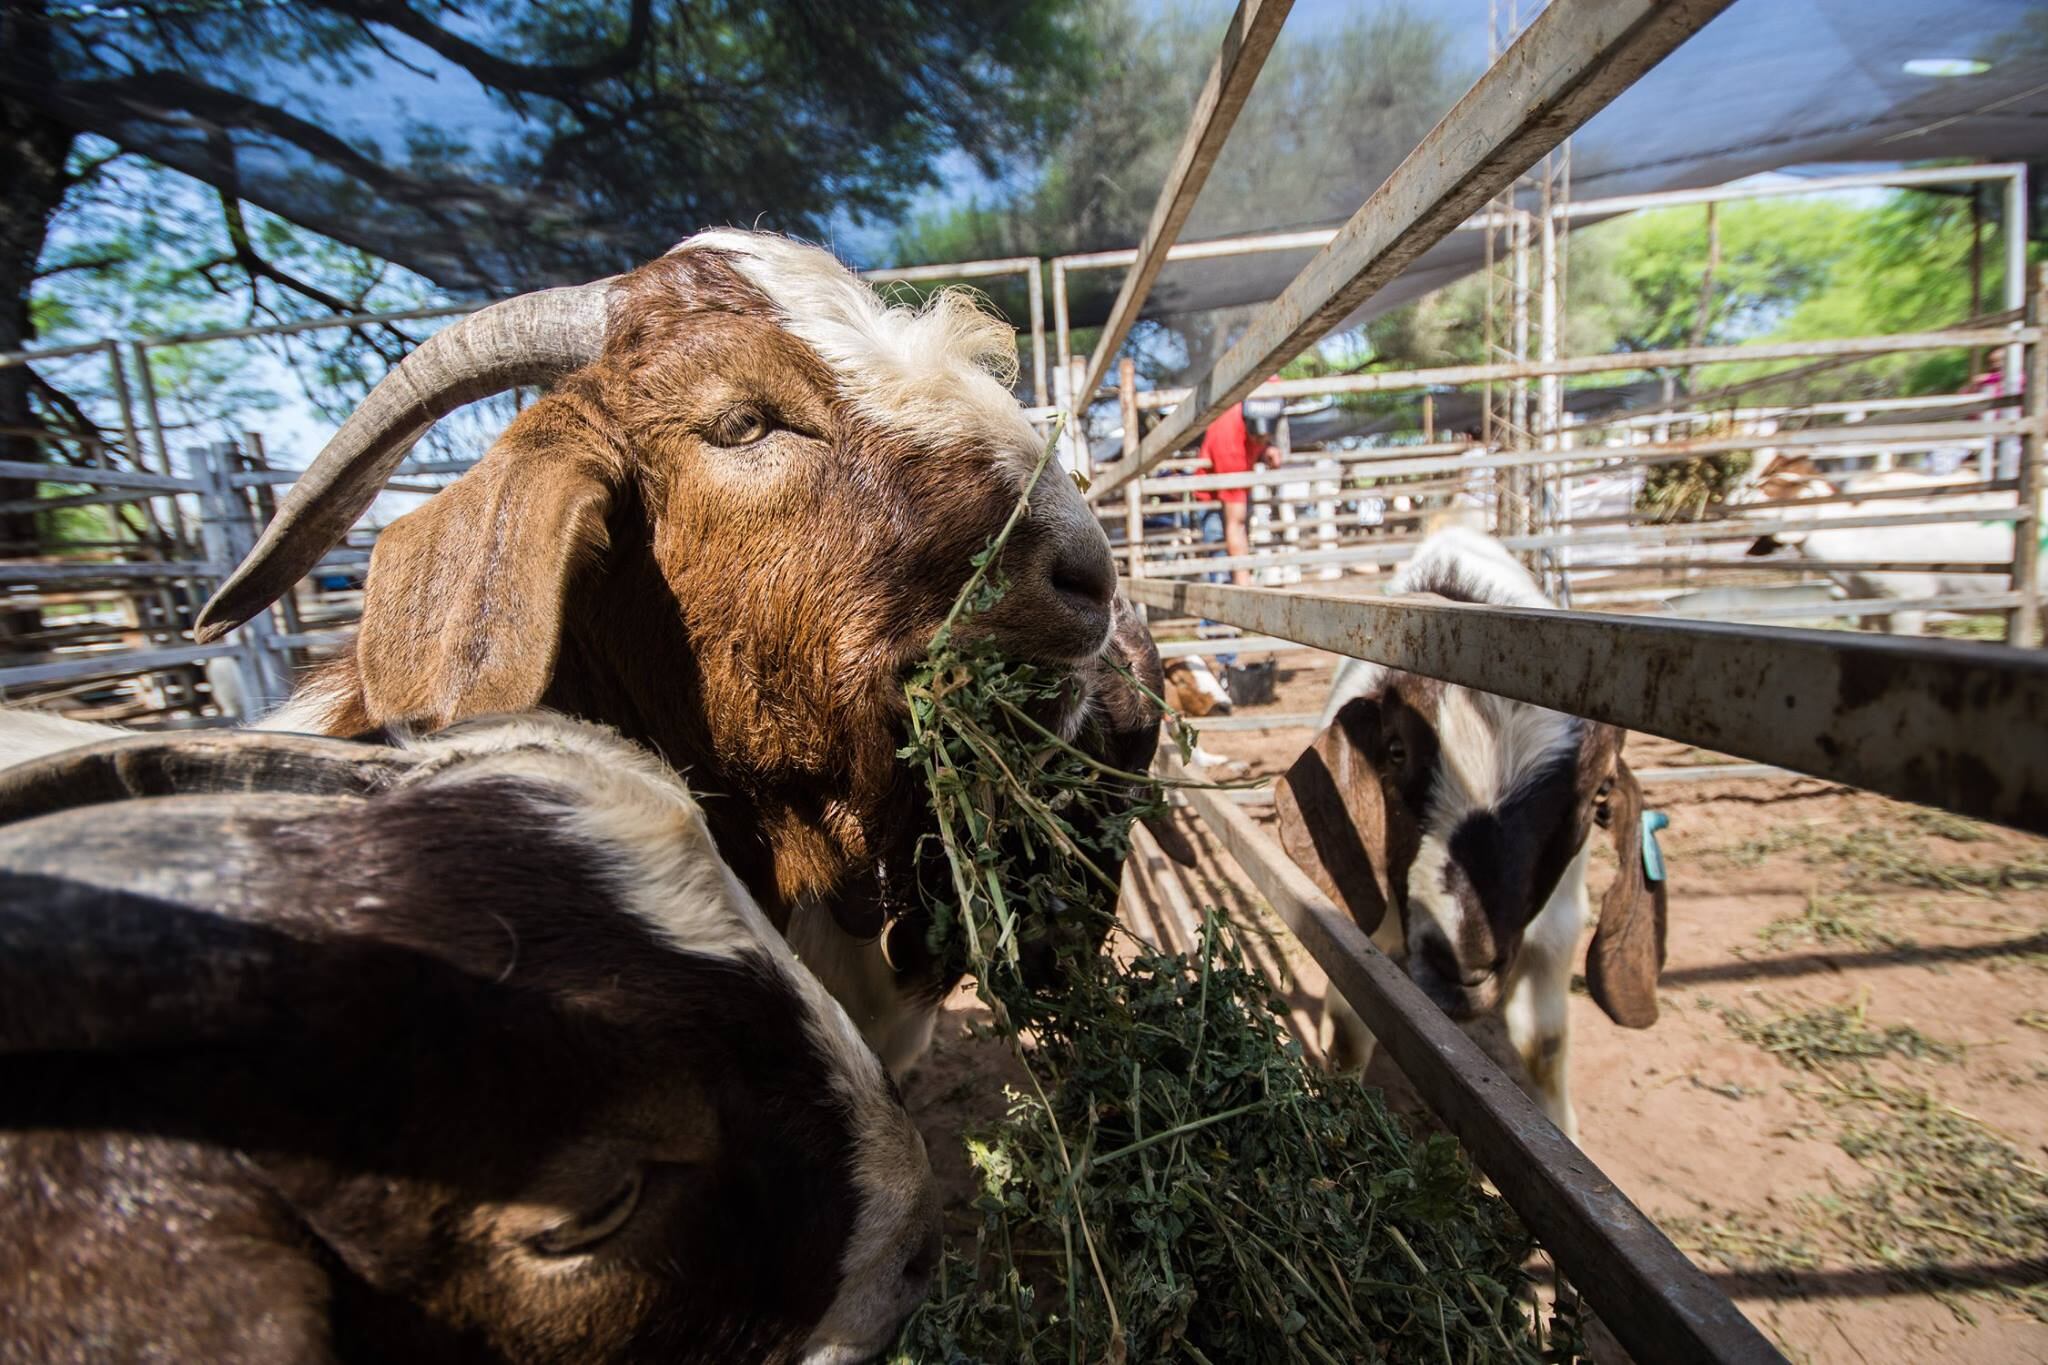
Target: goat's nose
x,y
1082,568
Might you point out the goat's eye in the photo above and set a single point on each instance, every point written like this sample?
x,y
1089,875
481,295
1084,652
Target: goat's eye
x,y
1397,752
1603,804
582,1231
740,427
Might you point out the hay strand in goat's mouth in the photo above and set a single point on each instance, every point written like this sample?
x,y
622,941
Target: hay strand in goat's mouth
x,y
1177,1183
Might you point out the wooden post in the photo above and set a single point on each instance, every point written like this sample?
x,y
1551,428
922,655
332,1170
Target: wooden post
x,y
1134,516
2023,625
1429,419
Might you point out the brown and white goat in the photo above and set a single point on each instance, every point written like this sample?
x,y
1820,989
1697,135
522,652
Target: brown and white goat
x,y
742,512
466,1049
1453,824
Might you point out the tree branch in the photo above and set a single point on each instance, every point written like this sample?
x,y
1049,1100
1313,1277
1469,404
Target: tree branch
x,y
562,81
106,262
259,267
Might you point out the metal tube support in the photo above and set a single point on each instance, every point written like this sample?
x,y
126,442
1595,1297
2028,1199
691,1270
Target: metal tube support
x,y
1134,516
117,372
1035,287
1549,416
1082,460
2015,268
147,381
1062,343
1518,322
229,535
2023,626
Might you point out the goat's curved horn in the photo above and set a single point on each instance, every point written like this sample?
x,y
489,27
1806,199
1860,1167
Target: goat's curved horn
x,y
532,339
220,762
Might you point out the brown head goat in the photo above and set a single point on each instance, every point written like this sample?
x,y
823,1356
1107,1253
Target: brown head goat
x,y
1453,824
468,1049
742,512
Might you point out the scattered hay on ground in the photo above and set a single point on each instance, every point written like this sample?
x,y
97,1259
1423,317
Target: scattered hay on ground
x,y
1875,857
1959,829
1836,919
1947,1203
1815,1038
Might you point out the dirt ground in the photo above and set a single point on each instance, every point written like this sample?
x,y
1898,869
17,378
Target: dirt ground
x,y
1842,1112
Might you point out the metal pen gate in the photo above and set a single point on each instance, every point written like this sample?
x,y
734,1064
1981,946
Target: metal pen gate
x,y
1949,724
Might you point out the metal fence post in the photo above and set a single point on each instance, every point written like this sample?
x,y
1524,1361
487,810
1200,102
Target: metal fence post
x,y
1134,516
2023,624
228,533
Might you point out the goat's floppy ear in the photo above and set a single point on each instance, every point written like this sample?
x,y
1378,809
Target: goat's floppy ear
x,y
1627,953
1333,815
462,614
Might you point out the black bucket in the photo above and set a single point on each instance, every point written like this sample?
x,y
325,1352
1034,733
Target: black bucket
x,y
1252,684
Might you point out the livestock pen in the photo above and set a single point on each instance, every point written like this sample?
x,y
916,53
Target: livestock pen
x,y
1953,726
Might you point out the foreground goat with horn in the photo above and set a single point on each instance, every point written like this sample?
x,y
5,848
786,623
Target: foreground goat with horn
x,y
1453,825
465,1049
742,512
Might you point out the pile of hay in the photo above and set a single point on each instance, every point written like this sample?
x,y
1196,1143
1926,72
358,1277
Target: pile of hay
x,y
1177,1183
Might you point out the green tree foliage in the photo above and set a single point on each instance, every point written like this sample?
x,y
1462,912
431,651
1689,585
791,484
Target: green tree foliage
x,y
1334,110
606,130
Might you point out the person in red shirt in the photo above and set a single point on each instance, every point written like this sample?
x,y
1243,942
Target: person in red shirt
x,y
1232,445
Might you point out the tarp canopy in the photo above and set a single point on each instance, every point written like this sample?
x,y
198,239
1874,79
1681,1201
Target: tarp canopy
x,y
399,151
1770,85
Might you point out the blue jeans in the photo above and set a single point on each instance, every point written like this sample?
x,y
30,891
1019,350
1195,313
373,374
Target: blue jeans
x,y
1212,534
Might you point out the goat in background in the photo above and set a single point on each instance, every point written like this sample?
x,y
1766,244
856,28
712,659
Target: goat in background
x,y
1453,825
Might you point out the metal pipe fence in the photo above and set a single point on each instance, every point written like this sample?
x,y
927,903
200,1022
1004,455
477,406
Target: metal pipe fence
x,y
1925,721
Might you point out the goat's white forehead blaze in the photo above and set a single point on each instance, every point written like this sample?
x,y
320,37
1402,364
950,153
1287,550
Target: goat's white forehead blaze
x,y
939,373
1490,748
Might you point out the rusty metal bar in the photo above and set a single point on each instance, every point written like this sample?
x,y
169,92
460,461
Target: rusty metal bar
x,y
1861,606
1677,357
95,477
1035,290
1934,721
1394,549
2024,624
109,665
1656,1302
90,571
1803,566
1134,492
940,273
313,325
1720,194
1247,40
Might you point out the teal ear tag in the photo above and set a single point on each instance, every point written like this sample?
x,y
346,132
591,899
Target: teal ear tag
x,y
1653,856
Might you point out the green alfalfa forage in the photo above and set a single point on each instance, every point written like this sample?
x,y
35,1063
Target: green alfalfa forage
x,y
1176,1182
